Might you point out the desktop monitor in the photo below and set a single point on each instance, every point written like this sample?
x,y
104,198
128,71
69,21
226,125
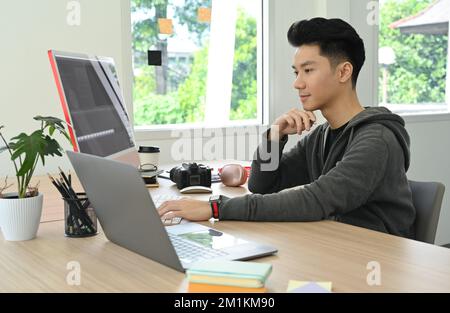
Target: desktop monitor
x,y
93,106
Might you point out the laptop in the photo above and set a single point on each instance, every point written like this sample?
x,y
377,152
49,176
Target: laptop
x,y
129,218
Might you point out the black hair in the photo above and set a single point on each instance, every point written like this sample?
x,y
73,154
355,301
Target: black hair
x,y
337,40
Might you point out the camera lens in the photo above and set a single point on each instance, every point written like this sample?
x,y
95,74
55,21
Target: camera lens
x,y
172,174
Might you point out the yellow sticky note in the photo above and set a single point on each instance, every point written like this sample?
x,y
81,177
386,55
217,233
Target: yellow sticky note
x,y
165,26
293,284
204,15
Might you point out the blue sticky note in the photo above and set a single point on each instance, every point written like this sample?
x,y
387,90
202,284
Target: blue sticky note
x,y
310,288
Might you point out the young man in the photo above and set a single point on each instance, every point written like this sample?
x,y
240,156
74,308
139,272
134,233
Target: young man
x,y
351,169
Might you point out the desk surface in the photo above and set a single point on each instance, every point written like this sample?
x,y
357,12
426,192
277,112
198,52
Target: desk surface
x,y
318,251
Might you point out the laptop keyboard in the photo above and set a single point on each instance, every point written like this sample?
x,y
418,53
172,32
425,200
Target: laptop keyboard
x,y
158,200
190,252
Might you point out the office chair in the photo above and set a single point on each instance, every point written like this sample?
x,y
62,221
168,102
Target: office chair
x,y
427,199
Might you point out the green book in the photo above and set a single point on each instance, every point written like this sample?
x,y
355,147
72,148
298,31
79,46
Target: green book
x,y
230,273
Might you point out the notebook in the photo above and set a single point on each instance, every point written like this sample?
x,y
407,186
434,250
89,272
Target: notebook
x,y
194,287
230,273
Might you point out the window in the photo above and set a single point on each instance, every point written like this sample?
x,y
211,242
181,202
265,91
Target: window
x,y
413,55
211,62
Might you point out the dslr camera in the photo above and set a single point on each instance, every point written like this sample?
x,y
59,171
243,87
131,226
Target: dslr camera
x,y
191,174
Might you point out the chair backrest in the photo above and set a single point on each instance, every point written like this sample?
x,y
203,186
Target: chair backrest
x,y
427,199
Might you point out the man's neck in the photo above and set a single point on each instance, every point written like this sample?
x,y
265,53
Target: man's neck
x,y
342,110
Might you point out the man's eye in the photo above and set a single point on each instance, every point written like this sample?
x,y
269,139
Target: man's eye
x,y
296,74
307,70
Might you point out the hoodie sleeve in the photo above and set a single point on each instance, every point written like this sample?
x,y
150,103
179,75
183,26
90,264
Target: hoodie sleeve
x,y
345,187
278,171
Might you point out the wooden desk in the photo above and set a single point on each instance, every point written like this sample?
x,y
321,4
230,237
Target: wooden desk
x,y
319,251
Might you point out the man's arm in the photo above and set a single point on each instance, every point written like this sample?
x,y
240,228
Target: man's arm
x,y
275,171
344,188
290,171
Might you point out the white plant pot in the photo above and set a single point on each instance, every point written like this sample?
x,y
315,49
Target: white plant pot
x,y
20,218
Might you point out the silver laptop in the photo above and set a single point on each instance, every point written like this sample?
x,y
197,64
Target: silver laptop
x,y
129,218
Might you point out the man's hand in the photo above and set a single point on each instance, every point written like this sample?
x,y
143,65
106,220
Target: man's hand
x,y
292,122
193,210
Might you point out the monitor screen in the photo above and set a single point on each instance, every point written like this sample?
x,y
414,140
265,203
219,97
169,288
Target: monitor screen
x,y
93,104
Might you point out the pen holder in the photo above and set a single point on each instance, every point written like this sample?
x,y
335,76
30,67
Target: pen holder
x,y
79,217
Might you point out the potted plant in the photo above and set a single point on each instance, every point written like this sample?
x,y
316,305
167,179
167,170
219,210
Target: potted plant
x,y
20,212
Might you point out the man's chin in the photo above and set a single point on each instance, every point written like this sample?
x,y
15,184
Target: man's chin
x,y
309,105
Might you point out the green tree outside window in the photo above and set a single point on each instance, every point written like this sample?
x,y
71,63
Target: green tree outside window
x,y
154,102
419,73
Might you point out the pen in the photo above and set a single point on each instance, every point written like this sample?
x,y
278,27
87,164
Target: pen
x,y
63,175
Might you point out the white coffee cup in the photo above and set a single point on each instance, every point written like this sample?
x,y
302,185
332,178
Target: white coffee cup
x,y
149,156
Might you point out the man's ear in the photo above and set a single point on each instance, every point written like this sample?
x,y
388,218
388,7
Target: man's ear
x,y
345,71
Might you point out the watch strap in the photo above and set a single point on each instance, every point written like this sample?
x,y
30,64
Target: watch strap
x,y
215,206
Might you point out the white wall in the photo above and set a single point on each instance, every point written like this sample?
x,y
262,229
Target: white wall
x,y
430,150
28,28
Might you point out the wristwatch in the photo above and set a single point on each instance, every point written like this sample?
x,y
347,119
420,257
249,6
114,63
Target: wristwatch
x,y
214,202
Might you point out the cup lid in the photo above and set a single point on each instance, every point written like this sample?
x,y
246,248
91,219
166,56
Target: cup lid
x,y
148,149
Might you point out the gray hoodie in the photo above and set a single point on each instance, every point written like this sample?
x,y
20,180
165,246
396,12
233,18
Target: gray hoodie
x,y
362,182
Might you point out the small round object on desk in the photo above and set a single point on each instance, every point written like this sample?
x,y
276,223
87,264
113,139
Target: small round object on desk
x,y
233,175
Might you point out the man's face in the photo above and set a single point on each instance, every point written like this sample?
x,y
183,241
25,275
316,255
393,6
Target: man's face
x,y
316,80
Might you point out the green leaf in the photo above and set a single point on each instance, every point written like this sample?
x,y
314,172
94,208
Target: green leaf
x,y
53,123
3,148
65,134
11,145
50,120
51,130
52,147
30,146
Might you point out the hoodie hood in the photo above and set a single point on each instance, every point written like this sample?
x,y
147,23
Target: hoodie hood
x,y
383,116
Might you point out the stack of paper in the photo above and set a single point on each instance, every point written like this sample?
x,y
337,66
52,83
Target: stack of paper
x,y
228,276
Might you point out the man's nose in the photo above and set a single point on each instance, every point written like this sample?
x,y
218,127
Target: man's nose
x,y
299,83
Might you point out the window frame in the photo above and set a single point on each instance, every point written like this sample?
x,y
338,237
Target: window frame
x,y
164,132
